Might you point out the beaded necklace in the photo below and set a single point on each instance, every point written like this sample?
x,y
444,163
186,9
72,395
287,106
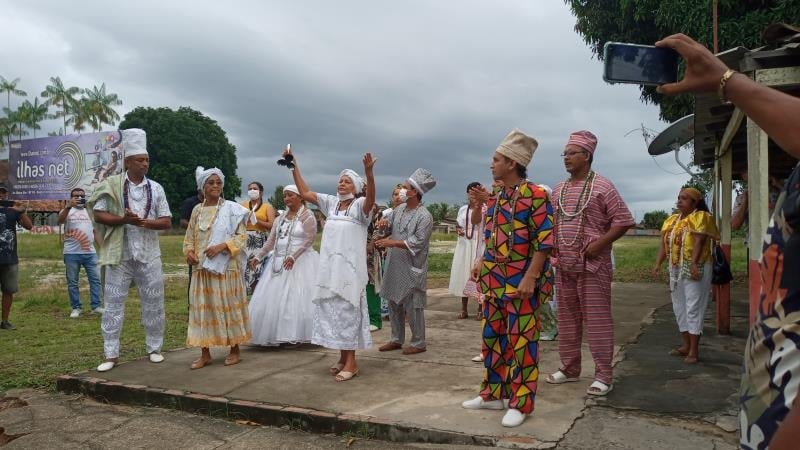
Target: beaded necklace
x,y
583,202
347,210
126,197
469,232
512,207
200,220
288,233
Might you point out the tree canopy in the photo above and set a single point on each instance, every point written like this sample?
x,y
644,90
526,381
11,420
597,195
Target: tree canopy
x,y
646,21
276,199
654,219
178,142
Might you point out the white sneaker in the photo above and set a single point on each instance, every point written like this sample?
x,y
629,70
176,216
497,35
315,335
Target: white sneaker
x,y
513,418
156,357
478,358
373,328
106,366
75,314
480,403
99,310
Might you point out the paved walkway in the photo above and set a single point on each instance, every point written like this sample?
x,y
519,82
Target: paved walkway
x,y
417,398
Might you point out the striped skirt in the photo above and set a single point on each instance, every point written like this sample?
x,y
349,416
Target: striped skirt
x,y
217,310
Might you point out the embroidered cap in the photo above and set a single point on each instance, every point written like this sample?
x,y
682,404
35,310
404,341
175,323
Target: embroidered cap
x,y
422,180
518,146
583,139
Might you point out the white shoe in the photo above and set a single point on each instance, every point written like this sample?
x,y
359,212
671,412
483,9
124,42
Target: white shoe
x,y
513,418
99,310
75,314
156,357
373,328
478,358
480,403
106,366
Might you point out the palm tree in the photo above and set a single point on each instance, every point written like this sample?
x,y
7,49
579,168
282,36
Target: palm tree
x,y
99,105
4,131
16,119
34,113
10,87
58,95
80,115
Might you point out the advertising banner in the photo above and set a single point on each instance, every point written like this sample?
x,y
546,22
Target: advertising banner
x,y
48,168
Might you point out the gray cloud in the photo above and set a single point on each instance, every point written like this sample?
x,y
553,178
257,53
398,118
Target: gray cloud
x,y
432,84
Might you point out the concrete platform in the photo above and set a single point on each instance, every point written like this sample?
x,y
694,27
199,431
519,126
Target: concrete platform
x,y
401,398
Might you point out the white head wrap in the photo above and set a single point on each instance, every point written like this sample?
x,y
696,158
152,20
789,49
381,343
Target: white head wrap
x,y
358,182
201,175
134,142
291,188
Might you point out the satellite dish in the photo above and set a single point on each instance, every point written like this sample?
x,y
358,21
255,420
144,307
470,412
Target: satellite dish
x,y
675,136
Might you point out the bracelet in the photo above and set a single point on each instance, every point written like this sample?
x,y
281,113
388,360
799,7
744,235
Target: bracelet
x,y
722,82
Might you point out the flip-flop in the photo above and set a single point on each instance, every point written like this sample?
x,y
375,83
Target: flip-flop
x,y
231,361
345,375
676,352
560,377
336,369
463,315
602,389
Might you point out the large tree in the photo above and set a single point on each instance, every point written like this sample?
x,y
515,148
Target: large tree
x,y
179,141
10,87
741,23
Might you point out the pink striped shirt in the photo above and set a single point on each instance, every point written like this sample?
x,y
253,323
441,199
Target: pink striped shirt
x,y
606,209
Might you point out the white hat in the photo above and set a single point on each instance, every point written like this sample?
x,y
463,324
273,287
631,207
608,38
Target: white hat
x,y
134,142
422,180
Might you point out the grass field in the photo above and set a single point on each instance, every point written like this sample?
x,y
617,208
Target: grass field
x,y
48,343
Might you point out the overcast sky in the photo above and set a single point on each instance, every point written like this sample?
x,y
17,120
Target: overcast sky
x,y
433,84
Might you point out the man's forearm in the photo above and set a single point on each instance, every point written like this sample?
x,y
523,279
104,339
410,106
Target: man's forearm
x,y
106,218
537,263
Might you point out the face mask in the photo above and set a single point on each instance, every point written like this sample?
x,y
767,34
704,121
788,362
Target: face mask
x,y
402,194
254,194
345,197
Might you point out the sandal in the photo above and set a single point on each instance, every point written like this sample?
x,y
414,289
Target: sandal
x,y
336,369
599,389
677,352
345,375
463,315
690,359
559,377
479,315
232,359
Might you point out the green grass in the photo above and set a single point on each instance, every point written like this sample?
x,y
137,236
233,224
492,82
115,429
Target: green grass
x,y
48,343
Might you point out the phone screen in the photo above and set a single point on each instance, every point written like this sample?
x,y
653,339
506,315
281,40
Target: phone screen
x,y
639,64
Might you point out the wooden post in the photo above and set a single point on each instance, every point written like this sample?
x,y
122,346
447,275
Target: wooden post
x,y
758,204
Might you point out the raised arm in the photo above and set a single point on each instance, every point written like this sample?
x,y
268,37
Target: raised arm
x,y
774,111
307,194
369,201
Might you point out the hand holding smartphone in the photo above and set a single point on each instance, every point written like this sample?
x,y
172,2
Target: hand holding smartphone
x,y
639,64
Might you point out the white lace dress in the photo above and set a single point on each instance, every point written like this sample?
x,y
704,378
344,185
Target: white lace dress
x,y
281,310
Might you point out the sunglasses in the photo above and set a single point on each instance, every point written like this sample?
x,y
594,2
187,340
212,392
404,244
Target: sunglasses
x,y
287,161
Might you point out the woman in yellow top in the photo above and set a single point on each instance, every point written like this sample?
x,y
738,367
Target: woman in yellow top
x,y
686,240
262,216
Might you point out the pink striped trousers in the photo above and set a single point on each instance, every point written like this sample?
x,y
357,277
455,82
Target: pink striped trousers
x,y
585,296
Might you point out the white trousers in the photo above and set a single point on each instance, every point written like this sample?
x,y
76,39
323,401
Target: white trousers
x,y
149,280
689,300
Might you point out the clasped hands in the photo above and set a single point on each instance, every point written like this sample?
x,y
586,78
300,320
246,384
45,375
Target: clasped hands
x,y
210,252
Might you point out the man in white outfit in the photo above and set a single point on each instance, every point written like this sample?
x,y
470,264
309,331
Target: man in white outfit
x,y
129,209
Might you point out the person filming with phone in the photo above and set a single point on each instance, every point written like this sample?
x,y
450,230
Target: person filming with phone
x,y
11,214
769,412
79,252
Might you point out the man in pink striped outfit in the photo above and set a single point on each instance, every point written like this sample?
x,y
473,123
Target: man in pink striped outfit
x,y
589,216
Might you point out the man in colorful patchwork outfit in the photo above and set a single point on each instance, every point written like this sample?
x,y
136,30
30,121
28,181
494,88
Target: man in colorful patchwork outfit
x,y
590,216
518,235
129,209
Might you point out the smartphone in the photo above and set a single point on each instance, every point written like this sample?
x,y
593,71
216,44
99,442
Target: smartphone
x,y
639,64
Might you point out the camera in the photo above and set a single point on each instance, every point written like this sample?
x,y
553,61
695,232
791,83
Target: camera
x,y
82,200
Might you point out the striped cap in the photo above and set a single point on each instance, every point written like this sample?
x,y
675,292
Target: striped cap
x,y
583,139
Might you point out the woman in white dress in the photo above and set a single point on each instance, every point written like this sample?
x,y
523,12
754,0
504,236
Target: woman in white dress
x,y
280,309
341,319
466,252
